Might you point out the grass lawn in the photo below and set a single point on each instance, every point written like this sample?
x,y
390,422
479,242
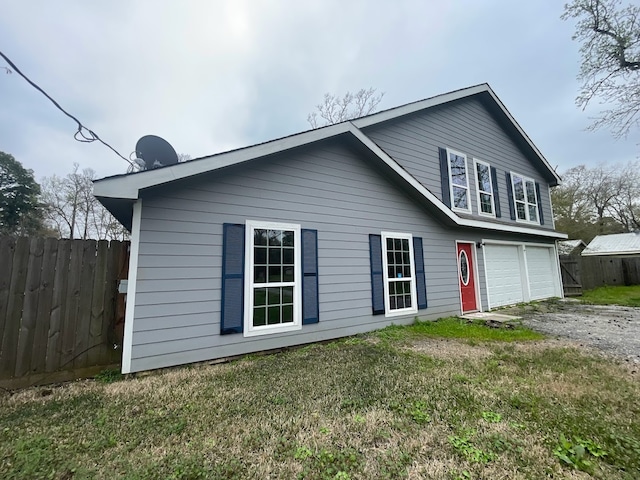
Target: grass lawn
x,y
444,400
626,296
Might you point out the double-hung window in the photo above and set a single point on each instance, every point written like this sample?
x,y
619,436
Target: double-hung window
x,y
524,197
273,270
399,274
485,188
459,180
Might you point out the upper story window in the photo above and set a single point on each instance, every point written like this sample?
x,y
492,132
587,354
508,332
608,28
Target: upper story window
x,y
486,202
273,290
524,197
399,274
459,180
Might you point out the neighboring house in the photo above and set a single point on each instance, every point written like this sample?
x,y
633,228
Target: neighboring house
x,y
571,247
430,209
618,244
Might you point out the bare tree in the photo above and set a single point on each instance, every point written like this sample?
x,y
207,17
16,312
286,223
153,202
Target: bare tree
x,y
336,109
625,207
598,200
610,69
73,212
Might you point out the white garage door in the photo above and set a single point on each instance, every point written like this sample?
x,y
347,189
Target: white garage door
x,y
504,280
541,267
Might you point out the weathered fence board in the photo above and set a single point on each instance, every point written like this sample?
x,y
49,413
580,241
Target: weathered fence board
x,y
96,318
30,307
7,248
15,302
58,306
49,257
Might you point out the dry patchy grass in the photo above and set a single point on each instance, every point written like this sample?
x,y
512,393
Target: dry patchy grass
x,y
392,404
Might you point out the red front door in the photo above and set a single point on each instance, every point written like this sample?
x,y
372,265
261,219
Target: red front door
x,y
466,278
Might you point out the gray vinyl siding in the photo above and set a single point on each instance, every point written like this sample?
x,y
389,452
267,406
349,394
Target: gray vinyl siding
x,y
465,126
328,188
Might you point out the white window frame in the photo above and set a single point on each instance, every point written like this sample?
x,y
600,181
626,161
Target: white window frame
x,y
451,184
527,204
385,269
249,286
478,191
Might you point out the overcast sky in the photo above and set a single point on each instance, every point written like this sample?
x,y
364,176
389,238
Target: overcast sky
x,y
213,75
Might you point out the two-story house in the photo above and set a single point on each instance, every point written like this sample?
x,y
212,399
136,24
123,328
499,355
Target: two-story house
x,y
435,208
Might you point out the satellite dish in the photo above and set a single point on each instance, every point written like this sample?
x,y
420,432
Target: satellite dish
x,y
155,152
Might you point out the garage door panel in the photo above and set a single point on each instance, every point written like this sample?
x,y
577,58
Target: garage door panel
x,y
542,272
504,278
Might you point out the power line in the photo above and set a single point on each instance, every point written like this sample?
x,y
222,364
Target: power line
x,y
83,134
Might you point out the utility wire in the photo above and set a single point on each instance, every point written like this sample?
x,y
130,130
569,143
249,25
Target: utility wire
x,y
83,134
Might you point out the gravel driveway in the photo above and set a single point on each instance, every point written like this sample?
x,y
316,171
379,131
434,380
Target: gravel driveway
x,y
610,328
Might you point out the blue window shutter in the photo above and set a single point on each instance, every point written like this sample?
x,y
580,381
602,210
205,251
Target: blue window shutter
x,y
310,305
444,177
512,206
540,214
421,284
377,278
496,192
232,308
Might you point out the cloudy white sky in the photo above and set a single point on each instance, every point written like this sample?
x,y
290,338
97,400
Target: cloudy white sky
x,y
213,75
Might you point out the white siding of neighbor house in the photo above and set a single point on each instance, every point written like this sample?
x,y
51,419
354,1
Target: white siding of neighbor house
x,y
328,187
465,126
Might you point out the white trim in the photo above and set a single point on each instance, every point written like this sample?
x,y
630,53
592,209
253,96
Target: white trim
x,y
527,204
132,281
559,273
476,277
249,330
508,242
450,152
465,283
477,161
385,273
553,216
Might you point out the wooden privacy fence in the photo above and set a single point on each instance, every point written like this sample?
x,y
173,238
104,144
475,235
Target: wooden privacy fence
x,y
584,273
60,309
605,270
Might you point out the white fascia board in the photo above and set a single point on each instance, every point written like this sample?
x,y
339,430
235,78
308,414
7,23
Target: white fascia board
x,y
420,105
129,186
366,141
463,222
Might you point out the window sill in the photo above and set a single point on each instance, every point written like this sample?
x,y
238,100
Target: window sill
x,y
400,313
462,210
527,222
271,329
487,215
